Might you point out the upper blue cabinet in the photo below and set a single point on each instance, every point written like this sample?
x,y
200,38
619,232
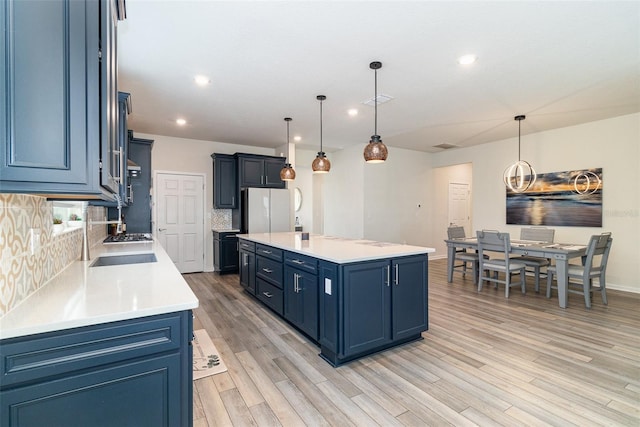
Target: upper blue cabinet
x,y
59,99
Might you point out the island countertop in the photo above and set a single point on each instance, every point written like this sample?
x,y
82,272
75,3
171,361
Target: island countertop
x,y
339,250
82,295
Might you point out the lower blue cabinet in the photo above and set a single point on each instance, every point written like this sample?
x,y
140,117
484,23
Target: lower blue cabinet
x,y
301,300
370,306
352,309
130,373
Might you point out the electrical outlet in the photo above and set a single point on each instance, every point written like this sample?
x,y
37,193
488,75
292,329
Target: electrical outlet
x,y
34,240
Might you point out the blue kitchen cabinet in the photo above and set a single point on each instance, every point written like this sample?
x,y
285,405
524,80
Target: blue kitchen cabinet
x,y
124,109
301,293
225,188
370,306
351,309
59,103
259,171
138,213
247,268
128,373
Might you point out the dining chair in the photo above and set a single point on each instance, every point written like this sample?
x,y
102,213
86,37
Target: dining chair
x,y
535,264
594,266
462,255
500,243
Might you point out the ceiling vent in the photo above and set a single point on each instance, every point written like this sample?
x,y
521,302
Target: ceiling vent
x,y
381,99
445,146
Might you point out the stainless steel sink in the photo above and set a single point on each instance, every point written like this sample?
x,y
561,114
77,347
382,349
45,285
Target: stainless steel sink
x,y
124,259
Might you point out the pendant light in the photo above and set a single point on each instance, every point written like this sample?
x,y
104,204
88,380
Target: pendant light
x,y
520,176
321,164
287,173
375,151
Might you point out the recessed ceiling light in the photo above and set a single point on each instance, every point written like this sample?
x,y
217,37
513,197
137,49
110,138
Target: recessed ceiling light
x,y
353,112
467,59
181,122
297,138
202,80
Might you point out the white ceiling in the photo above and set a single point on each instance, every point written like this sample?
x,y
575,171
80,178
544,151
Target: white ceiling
x,y
559,62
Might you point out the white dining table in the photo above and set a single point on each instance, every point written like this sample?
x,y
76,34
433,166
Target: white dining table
x,y
561,253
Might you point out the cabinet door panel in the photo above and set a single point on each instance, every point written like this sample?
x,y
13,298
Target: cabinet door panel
x,y
251,172
43,109
409,296
248,271
366,309
225,189
146,392
272,168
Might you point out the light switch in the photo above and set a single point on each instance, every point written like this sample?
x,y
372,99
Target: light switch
x,y
327,286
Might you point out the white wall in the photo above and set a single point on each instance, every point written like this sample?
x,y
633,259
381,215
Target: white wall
x,y
343,195
611,144
194,156
378,201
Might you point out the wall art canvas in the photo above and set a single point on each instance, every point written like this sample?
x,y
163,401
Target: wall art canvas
x,y
570,198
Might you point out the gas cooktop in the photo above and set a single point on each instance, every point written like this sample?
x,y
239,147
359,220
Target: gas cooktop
x,y
129,238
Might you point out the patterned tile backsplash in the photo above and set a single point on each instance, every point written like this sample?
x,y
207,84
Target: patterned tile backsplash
x,y
221,219
30,259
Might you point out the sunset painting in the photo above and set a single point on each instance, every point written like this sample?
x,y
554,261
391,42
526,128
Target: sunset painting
x,y
571,198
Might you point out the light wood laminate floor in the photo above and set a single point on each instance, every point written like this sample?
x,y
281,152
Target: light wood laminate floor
x,y
485,360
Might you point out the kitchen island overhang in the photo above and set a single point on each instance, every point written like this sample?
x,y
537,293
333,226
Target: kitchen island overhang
x,y
353,297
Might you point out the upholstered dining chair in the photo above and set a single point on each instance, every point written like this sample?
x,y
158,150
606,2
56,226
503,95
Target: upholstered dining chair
x,y
462,256
500,244
594,266
535,264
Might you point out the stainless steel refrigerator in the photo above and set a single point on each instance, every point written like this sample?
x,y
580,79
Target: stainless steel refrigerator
x,y
265,210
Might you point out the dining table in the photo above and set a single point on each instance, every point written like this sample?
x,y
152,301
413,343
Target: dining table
x,y
561,253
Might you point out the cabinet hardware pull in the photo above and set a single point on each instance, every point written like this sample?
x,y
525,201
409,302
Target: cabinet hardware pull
x,y
388,275
297,261
397,280
295,282
266,270
267,294
266,252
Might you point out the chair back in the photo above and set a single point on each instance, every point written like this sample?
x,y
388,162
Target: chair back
x,y
539,234
456,232
599,244
494,241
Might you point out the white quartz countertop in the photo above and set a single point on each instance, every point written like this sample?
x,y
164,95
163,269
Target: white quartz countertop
x,y
335,249
82,295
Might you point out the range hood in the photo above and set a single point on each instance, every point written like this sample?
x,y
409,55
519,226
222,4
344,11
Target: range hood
x,y
132,168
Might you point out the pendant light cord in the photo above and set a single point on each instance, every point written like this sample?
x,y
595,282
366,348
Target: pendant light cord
x,y
519,123
321,126
375,101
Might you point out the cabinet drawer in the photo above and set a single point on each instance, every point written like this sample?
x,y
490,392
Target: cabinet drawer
x,y
302,262
39,356
270,295
247,245
270,270
269,252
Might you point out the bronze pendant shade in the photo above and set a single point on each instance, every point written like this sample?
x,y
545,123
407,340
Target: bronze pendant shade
x,y
287,173
321,164
375,151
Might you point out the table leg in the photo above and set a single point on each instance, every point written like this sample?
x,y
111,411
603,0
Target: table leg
x,y
563,281
451,254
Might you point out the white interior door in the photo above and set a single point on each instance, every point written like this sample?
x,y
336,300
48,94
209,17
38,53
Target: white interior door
x,y
180,219
459,206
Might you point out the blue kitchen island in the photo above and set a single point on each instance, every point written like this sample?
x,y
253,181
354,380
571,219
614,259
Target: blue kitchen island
x,y
352,297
